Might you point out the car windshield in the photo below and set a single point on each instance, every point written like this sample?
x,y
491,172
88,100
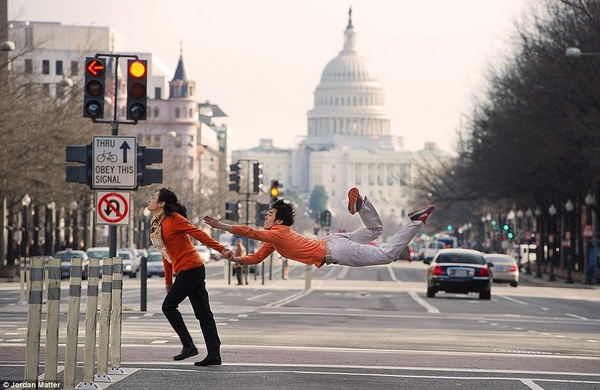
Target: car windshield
x,y
464,258
66,256
503,260
125,255
154,257
98,254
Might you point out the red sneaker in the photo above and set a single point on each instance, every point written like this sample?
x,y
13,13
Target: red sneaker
x,y
355,201
423,213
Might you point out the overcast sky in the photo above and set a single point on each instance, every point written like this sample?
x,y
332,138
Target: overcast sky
x,y
261,60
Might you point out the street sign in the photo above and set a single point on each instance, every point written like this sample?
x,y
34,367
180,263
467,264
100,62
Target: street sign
x,y
112,208
114,161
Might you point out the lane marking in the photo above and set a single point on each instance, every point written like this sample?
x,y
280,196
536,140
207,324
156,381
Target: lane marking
x,y
392,274
421,301
289,299
576,316
513,300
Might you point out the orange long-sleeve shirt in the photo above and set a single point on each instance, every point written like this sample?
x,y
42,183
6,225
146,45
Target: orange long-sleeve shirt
x,y
286,242
175,235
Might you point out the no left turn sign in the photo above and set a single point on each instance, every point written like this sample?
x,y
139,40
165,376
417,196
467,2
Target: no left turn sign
x,y
112,208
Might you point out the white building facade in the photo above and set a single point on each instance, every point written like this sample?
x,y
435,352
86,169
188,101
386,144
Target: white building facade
x,y
348,142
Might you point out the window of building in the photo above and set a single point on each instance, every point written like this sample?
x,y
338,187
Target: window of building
x,y
46,88
177,112
28,66
155,112
59,68
74,68
45,67
158,93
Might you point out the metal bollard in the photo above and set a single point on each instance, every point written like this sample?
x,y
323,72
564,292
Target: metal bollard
x,y
144,284
116,317
104,334
72,323
52,318
34,320
91,314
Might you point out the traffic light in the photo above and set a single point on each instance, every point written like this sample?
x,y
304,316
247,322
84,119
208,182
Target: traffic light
x,y
234,177
232,211
274,190
148,156
325,218
318,217
262,209
80,154
257,182
94,88
137,76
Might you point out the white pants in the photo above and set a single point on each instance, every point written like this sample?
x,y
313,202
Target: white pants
x,y
351,249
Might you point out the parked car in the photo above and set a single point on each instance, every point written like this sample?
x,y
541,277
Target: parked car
x,y
459,271
204,253
130,263
155,264
98,252
505,269
65,262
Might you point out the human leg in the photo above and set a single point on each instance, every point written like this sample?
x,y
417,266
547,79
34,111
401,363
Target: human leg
x,y
372,222
200,303
179,291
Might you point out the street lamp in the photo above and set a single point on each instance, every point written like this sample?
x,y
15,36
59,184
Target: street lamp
x,y
74,206
590,202
50,228
25,202
569,207
576,52
528,214
552,212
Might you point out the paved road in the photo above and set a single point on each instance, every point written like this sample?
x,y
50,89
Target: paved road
x,y
355,328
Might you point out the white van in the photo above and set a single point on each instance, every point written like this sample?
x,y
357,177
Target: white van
x,y
523,251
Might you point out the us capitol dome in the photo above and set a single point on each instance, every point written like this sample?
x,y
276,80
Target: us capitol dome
x,y
349,104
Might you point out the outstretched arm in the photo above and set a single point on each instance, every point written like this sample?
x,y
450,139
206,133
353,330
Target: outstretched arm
x,y
215,223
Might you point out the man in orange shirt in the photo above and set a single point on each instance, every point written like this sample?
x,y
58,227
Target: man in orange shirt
x,y
349,249
170,233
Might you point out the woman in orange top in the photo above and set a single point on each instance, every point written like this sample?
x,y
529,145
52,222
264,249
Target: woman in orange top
x,y
169,233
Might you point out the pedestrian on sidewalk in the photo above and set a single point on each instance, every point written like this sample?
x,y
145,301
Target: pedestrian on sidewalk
x,y
169,233
238,270
349,249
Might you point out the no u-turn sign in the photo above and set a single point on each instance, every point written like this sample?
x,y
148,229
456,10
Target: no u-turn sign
x,y
112,208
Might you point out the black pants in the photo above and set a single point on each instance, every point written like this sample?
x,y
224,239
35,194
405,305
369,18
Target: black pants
x,y
191,284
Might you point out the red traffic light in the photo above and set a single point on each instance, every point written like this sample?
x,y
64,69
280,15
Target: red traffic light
x,y
94,67
94,88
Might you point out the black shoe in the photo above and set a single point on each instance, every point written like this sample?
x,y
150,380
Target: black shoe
x,y
213,359
186,352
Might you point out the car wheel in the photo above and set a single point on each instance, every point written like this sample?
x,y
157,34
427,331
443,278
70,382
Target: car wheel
x,y
430,292
514,284
485,294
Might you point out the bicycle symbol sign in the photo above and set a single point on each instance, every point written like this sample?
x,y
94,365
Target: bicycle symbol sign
x,y
114,162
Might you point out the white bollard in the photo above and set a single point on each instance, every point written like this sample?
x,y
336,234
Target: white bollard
x,y
23,285
52,318
91,315
116,317
34,320
308,277
72,324
104,334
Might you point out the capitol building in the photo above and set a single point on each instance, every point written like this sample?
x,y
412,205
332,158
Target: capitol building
x,y
348,142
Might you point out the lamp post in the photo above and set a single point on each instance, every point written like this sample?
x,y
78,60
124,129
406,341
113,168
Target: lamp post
x,y
552,212
528,214
538,241
590,202
144,233
50,228
74,205
569,208
25,202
